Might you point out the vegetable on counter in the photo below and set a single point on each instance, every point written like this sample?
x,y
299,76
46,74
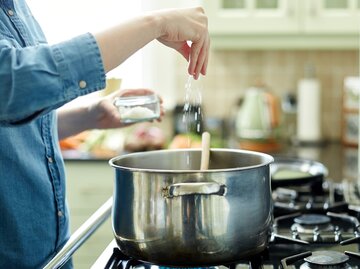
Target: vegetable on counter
x,y
182,141
144,137
94,144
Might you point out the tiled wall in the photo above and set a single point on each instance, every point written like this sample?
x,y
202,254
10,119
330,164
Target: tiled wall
x,y
230,73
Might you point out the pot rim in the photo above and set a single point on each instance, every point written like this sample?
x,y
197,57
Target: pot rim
x,y
268,159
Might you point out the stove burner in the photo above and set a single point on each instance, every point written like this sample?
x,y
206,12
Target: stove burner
x,y
312,219
327,258
310,223
321,260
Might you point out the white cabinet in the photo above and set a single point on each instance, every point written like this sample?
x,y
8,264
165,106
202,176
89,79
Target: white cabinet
x,y
322,24
252,17
89,185
332,16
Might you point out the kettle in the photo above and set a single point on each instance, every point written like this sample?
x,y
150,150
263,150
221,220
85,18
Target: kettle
x,y
258,118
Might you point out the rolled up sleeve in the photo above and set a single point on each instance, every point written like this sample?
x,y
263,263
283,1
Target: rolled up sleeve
x,y
37,79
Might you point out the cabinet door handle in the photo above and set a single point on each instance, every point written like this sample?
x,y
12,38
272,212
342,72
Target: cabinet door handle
x,y
290,10
313,9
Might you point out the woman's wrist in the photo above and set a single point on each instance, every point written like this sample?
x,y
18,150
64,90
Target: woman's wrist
x,y
73,120
156,22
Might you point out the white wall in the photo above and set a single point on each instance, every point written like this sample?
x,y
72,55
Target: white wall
x,y
64,19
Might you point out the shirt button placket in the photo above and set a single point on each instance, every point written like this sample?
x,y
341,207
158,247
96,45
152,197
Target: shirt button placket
x,y
10,12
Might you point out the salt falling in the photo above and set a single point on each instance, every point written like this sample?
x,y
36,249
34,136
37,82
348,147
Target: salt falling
x,y
192,114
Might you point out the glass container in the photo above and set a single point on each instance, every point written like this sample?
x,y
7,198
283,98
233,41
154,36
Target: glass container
x,y
134,109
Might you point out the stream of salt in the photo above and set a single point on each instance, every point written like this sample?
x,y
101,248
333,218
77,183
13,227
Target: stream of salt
x,y
192,114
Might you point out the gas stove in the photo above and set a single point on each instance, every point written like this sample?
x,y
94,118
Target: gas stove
x,y
275,257
315,226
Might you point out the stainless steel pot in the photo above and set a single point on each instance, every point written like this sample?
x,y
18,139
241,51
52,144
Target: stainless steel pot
x,y
168,212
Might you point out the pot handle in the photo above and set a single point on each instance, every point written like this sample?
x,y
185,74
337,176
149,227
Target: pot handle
x,y
191,188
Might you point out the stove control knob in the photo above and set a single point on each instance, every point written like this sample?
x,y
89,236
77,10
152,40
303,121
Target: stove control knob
x,y
316,235
326,205
310,204
242,266
295,233
337,234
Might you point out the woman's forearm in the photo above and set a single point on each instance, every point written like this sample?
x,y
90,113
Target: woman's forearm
x,y
173,28
72,121
120,42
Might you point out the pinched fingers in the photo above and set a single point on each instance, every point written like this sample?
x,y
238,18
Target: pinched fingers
x,y
206,61
202,61
199,58
183,26
199,53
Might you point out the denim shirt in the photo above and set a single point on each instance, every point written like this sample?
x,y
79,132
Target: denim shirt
x,y
35,79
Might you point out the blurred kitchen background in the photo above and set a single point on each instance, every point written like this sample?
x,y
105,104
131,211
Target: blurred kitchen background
x,y
297,57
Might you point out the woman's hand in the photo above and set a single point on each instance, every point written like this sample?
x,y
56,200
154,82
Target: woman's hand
x,y
99,114
105,115
181,25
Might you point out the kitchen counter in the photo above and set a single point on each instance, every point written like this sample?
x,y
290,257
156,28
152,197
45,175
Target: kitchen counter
x,y
341,161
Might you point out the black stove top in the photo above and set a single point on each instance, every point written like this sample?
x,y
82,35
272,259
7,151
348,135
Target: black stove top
x,y
314,228
272,258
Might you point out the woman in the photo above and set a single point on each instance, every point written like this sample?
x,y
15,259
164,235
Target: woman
x,y
35,80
